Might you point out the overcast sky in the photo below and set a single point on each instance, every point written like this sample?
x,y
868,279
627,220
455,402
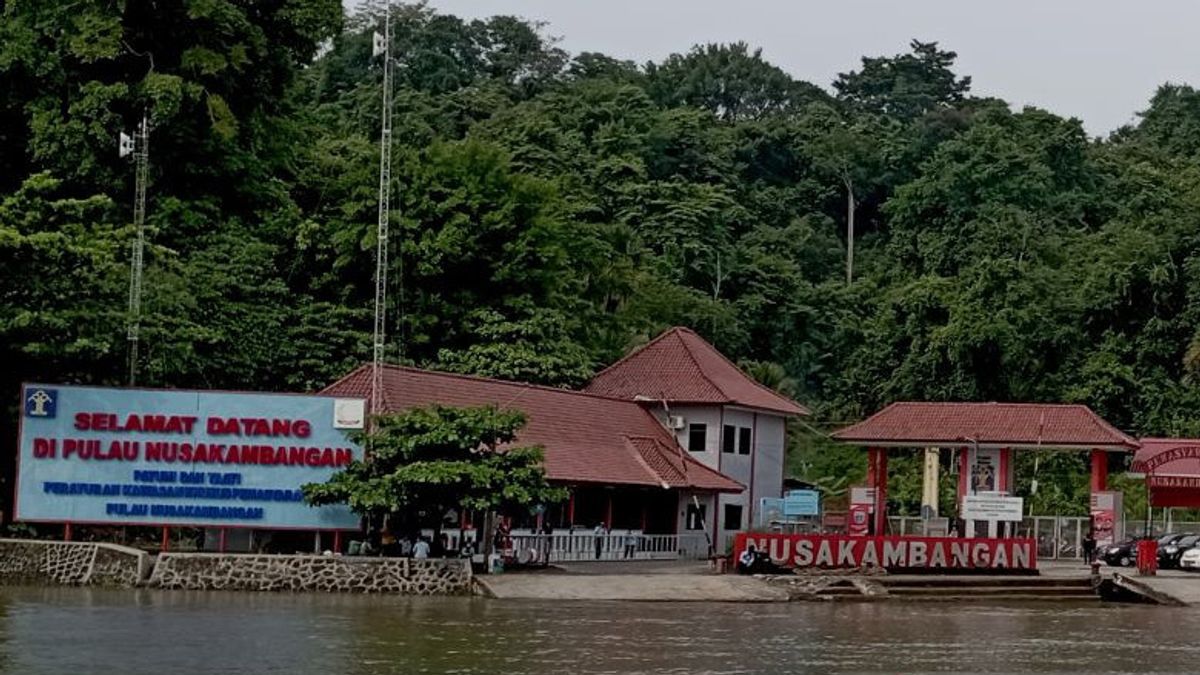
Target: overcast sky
x,y
1098,60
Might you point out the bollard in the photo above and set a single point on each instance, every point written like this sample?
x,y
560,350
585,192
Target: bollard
x,y
1147,557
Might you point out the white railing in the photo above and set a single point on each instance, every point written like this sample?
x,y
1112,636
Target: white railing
x,y
587,546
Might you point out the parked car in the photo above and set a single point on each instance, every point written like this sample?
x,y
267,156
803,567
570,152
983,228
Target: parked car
x,y
1120,555
1169,555
1190,560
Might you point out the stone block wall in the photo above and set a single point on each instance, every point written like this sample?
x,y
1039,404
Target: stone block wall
x,y
248,572
25,561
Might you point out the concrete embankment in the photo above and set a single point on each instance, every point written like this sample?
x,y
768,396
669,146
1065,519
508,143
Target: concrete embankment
x,y
97,564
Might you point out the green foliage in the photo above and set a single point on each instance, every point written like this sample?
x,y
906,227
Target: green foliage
x,y
550,210
435,459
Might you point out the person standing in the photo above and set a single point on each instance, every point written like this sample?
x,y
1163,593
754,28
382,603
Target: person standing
x,y
1089,547
421,549
598,533
631,544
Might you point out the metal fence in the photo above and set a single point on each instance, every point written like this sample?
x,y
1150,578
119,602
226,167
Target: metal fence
x,y
1058,537
586,546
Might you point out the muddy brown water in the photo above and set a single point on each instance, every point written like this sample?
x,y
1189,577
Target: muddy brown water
x,y
77,631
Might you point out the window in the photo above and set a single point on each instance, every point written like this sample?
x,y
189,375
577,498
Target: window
x,y
744,440
729,438
733,516
697,437
695,516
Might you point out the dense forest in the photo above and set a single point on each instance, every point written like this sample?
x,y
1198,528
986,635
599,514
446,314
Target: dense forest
x,y
552,210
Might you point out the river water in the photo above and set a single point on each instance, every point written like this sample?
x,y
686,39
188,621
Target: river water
x,y
80,631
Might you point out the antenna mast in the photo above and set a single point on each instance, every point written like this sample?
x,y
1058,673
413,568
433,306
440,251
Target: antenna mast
x,y
139,146
382,45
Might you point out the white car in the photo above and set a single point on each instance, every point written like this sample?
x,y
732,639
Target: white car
x,y
1190,560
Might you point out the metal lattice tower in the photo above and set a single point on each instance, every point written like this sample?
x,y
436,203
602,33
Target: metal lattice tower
x,y
381,233
139,145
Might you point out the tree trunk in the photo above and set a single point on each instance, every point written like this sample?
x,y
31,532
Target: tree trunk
x,y
850,206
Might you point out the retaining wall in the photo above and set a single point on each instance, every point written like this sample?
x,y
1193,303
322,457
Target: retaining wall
x,y
249,572
26,561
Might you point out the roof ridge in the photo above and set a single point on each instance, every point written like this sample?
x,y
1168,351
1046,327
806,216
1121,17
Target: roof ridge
x,y
641,460
741,372
480,378
639,349
700,369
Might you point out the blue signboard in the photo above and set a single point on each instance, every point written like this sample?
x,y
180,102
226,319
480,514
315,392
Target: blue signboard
x,y
172,457
801,503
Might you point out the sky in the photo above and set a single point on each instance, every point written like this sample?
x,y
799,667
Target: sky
x,y
1097,60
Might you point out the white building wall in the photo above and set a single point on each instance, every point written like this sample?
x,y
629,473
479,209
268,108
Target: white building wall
x,y
710,416
770,443
761,471
737,466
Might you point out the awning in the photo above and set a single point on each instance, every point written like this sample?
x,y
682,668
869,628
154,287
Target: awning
x,y
1172,470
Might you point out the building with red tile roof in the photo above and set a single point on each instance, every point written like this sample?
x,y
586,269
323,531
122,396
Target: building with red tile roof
x,y
670,438
698,373
1009,425
587,439
982,438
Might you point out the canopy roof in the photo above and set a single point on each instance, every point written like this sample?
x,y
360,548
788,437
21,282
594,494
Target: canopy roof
x,y
1009,425
586,438
1172,468
679,366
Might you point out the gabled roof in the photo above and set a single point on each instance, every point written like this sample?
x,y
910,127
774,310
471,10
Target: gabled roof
x,y
586,438
1003,424
679,366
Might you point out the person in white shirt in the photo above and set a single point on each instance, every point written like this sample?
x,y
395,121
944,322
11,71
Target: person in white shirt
x,y
421,549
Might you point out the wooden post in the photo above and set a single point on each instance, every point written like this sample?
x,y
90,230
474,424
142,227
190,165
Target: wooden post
x,y
67,531
337,541
221,541
166,539
608,510
571,508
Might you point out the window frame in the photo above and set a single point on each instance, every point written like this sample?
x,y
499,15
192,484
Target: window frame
x,y
692,429
745,441
725,517
729,436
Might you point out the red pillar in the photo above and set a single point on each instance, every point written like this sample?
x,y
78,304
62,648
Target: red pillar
x,y
645,508
1099,471
67,532
221,541
570,508
166,539
337,541
877,478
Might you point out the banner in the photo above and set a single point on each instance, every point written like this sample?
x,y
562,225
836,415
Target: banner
x,y
171,457
898,553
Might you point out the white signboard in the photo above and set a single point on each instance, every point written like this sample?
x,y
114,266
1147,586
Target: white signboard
x,y
992,507
862,495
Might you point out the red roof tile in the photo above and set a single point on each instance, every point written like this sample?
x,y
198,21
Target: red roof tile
x,y
586,438
1011,424
681,367
673,467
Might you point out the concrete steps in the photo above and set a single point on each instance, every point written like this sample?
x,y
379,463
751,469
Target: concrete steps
x,y
1013,588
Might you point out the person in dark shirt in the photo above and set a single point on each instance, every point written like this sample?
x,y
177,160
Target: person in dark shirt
x,y
1089,547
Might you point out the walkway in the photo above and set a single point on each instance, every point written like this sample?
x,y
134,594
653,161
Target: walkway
x,y
661,586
